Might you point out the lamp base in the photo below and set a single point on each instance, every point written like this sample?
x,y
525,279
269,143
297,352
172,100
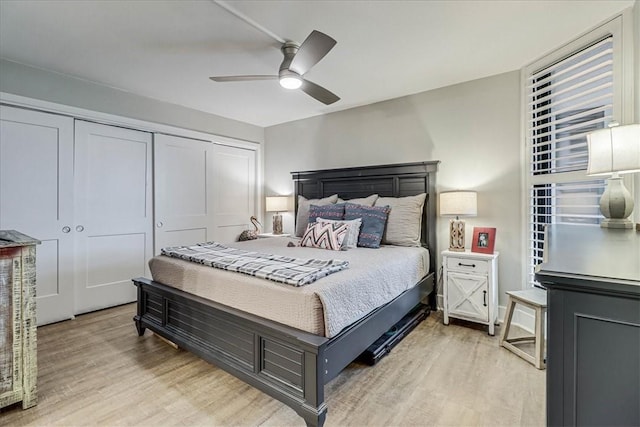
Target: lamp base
x,y
456,235
616,204
616,223
277,224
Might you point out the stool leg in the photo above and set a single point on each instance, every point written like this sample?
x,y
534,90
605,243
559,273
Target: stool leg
x,y
507,320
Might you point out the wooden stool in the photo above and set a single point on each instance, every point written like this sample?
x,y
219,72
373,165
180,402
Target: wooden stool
x,y
537,300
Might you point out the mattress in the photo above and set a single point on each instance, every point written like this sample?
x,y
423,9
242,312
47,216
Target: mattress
x,y
325,307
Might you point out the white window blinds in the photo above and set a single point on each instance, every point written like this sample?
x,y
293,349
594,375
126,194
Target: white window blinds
x,y
566,100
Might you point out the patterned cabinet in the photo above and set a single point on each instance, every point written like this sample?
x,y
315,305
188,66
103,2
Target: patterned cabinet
x,y
18,357
471,287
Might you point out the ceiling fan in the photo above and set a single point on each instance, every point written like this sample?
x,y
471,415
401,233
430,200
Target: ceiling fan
x,y
298,60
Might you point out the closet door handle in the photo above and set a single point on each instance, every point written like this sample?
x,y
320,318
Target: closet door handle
x,y
79,228
159,224
66,229
484,298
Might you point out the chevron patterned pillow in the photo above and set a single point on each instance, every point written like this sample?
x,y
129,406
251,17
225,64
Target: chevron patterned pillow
x,y
325,235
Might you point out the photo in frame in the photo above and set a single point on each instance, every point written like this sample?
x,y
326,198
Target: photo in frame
x,y
484,240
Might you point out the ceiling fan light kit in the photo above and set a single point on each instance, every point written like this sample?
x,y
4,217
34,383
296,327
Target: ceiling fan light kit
x,y
290,80
298,60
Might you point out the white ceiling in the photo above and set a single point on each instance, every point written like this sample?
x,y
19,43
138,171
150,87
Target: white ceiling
x,y
166,50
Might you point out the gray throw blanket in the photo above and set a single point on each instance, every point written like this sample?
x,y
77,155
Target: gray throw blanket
x,y
292,271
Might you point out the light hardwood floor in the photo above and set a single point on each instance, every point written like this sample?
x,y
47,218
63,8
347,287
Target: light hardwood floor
x,y
95,370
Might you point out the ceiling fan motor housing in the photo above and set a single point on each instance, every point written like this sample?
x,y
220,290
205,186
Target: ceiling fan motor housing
x,y
289,50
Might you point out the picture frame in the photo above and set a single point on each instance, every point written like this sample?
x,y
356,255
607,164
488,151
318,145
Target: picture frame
x,y
484,240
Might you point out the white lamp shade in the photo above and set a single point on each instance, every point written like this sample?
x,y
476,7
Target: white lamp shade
x,y
277,204
459,203
615,149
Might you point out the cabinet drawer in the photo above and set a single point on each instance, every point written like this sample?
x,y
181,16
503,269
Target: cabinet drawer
x,y
468,265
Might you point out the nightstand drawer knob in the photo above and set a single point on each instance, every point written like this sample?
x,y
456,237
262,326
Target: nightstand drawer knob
x,y
484,298
467,265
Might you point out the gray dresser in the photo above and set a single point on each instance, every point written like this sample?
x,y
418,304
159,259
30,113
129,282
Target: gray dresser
x,y
592,276
18,353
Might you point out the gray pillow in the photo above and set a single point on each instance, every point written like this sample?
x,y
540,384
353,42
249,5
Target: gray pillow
x,y
302,218
373,220
364,201
405,219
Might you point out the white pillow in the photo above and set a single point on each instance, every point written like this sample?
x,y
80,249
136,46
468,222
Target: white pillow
x,y
351,241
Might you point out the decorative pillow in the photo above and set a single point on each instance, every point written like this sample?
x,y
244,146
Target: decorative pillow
x,y
351,241
302,218
405,219
325,236
373,220
366,201
327,211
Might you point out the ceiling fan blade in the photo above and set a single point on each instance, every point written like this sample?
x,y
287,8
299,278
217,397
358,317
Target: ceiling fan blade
x,y
318,92
311,51
222,79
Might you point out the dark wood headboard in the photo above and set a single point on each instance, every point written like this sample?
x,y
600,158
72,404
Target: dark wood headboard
x,y
397,180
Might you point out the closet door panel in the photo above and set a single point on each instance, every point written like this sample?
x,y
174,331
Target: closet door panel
x,y
116,178
113,213
181,238
101,257
183,191
234,178
36,198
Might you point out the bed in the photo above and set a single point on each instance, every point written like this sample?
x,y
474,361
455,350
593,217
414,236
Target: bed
x,y
290,364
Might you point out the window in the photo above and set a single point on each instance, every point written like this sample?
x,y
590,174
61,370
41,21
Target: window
x,y
568,94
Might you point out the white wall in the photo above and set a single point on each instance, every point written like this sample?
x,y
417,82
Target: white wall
x,y
18,79
473,128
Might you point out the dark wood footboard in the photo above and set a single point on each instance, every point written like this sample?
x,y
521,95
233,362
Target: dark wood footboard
x,y
288,364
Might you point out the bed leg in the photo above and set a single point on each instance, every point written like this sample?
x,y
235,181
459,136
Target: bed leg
x,y
316,421
139,327
314,409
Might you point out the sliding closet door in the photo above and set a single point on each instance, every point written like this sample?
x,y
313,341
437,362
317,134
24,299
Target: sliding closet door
x,y
36,198
234,177
113,213
183,192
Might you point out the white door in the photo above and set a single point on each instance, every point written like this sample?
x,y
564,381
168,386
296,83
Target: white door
x,y
183,191
113,213
234,177
36,198
467,295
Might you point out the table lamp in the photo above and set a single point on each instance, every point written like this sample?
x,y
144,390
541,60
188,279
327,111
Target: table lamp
x,y
615,151
277,204
458,203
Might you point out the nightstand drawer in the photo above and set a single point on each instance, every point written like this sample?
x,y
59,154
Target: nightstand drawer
x,y
467,265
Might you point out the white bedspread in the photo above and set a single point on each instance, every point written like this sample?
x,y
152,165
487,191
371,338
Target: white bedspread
x,y
374,277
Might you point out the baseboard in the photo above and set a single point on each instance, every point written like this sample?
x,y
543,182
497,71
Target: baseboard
x,y
522,317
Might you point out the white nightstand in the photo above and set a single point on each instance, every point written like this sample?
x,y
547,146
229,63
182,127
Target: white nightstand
x,y
266,235
470,287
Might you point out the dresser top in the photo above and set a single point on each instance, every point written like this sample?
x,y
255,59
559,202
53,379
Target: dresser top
x,y
594,253
13,238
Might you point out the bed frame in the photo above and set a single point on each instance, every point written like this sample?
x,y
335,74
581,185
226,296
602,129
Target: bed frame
x,y
286,363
